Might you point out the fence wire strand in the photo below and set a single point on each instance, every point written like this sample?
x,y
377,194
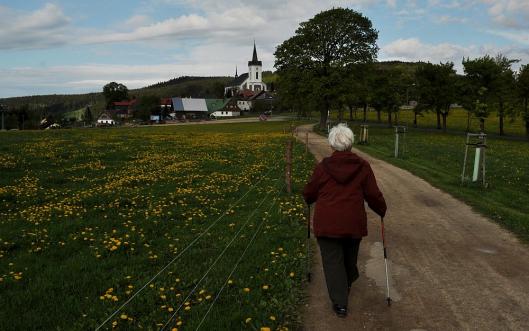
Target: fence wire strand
x,y
233,270
182,252
216,260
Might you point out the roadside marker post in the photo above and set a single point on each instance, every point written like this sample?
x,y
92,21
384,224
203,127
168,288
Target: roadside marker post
x,y
363,134
288,170
400,130
479,142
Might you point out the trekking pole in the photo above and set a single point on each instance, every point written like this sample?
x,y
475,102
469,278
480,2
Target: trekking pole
x,y
385,260
308,243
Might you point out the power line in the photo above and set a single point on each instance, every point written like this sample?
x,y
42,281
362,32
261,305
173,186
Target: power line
x,y
233,270
215,262
182,252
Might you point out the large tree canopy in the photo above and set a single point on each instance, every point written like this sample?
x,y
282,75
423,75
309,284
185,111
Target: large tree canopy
x,y
115,92
436,87
323,49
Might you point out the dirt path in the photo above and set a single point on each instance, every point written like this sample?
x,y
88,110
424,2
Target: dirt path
x,y
451,268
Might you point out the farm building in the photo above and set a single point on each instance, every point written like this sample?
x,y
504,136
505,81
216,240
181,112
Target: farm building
x,y
123,109
186,108
105,119
223,108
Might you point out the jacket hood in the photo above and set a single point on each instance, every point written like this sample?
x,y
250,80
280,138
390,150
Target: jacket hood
x,y
343,166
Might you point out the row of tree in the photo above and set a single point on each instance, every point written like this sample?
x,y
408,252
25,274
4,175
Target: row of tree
x,y
330,64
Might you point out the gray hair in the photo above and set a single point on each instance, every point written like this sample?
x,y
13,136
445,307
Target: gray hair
x,y
341,138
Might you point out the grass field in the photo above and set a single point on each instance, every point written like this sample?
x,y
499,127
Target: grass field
x,y
438,158
89,217
456,120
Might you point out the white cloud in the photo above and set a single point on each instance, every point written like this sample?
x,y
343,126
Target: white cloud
x,y
414,49
42,28
446,19
509,13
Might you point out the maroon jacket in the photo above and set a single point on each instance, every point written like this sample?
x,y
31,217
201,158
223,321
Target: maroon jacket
x,y
339,186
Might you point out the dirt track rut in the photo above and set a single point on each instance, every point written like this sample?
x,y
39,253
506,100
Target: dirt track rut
x,y
451,268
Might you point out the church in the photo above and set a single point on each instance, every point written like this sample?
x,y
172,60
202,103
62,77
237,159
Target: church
x,y
252,80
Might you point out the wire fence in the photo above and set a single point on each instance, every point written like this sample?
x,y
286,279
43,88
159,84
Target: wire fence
x,y
183,251
234,268
215,262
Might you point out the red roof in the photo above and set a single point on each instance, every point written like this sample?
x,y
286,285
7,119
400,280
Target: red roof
x,y
247,93
125,103
166,101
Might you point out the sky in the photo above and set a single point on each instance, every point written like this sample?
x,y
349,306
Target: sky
x,y
64,47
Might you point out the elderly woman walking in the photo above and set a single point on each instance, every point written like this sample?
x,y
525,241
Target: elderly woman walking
x,y
339,185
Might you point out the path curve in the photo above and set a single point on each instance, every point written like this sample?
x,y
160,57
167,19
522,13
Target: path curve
x,y
451,268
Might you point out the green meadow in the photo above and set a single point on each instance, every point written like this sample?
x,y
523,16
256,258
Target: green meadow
x,y
145,228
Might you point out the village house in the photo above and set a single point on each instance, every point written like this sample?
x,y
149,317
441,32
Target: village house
x,y
189,108
123,109
105,119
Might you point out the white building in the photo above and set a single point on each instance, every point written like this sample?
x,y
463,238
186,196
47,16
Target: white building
x,y
105,119
252,80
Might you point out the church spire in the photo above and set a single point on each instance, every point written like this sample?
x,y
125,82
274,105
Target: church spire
x,y
254,61
254,58
236,75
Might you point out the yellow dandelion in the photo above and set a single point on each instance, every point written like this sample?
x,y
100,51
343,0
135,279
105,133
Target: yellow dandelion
x,y
272,318
187,308
265,287
246,289
123,316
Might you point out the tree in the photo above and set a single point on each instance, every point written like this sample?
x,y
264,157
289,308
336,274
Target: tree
x,y
87,116
114,92
147,105
522,89
494,78
388,91
505,85
323,48
436,88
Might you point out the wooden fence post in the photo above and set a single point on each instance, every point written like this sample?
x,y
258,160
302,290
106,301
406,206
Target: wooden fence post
x,y
306,142
288,170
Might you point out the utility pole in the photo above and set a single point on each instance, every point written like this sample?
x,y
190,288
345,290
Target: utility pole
x,y
3,108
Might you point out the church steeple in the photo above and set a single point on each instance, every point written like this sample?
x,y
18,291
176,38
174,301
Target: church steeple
x,y
254,60
236,75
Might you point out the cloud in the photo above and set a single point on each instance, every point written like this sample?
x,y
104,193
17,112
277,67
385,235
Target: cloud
x,y
446,19
42,28
509,13
414,49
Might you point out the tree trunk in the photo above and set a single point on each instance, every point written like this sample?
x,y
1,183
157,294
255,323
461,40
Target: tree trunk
x,y
500,113
323,119
340,115
365,112
526,113
378,116
444,121
438,119
482,124
414,119
468,121
350,113
389,119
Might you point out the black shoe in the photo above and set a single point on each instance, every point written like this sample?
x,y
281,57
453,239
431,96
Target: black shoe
x,y
341,311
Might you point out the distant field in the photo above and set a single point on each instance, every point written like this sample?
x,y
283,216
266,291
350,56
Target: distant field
x,y
456,120
438,158
89,217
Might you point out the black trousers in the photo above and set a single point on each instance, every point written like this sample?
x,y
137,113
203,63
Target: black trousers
x,y
339,257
